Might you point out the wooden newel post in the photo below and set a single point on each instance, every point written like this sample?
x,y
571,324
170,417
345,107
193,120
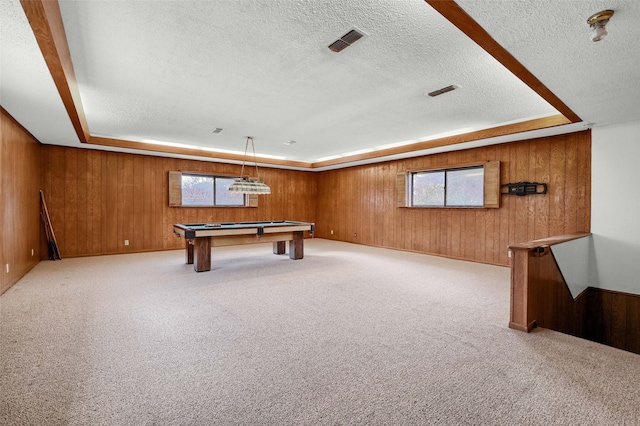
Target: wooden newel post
x,y
522,308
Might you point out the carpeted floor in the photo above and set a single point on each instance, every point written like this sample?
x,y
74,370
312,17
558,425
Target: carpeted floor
x,y
348,335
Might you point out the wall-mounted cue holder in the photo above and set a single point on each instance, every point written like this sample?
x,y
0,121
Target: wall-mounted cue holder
x,y
524,188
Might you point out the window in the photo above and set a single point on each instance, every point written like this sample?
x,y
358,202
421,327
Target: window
x,y
465,187
448,188
203,190
476,185
428,189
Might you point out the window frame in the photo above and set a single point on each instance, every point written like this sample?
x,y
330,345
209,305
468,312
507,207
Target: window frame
x,y
427,172
176,198
214,189
491,185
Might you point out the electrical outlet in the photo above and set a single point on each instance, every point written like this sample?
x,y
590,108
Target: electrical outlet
x,y
355,234
332,232
31,252
7,268
509,253
126,242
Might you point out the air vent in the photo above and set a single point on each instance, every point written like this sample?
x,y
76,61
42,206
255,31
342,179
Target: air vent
x,y
216,130
338,46
443,90
351,37
346,40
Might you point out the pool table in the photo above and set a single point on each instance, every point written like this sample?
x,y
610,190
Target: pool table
x,y
200,237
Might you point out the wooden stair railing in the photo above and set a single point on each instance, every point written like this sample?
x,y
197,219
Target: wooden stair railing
x,y
540,297
539,294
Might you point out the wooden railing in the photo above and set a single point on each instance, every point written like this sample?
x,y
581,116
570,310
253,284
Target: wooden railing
x,y
539,294
540,297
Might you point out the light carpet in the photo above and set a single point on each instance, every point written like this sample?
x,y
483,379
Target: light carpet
x,y
348,335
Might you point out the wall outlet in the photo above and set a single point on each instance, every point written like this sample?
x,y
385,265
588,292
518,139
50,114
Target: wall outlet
x,y
355,234
332,232
31,252
7,268
126,242
509,253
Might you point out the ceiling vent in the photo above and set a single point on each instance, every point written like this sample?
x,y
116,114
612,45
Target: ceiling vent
x,y
443,90
216,130
346,40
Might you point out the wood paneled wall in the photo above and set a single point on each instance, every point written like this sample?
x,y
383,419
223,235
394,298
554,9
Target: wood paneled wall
x,y
20,223
99,199
613,318
359,203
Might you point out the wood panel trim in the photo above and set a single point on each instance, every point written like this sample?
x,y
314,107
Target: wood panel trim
x,y
46,22
401,190
508,129
447,166
187,172
546,242
458,17
492,185
175,189
120,143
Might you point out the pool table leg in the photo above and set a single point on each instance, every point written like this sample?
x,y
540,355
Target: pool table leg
x,y
188,245
202,258
296,246
279,247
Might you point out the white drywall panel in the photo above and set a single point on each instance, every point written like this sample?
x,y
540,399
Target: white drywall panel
x,y
615,206
573,260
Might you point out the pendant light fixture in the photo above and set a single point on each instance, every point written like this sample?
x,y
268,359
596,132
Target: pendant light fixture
x,y
246,185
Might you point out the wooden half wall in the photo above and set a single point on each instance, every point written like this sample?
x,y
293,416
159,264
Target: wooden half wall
x,y
99,199
358,204
20,224
540,297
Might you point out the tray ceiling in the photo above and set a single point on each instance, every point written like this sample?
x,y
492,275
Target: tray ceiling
x,y
171,72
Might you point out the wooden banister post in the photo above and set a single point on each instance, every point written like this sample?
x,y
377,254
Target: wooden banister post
x,y
522,316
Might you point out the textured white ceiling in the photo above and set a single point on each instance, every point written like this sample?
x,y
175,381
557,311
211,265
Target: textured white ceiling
x,y
27,90
599,81
172,71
